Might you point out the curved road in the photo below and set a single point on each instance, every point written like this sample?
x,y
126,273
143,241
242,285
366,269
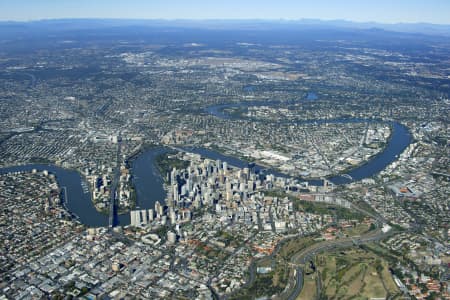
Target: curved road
x,y
298,260
301,258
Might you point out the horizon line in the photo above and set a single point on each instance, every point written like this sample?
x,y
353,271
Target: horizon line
x,y
275,20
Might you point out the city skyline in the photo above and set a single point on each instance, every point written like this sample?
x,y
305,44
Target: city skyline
x,y
384,11
224,150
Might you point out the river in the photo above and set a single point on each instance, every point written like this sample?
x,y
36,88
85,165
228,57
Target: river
x,y
78,201
399,140
148,181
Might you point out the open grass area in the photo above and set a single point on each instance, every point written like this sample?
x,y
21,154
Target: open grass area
x,y
359,229
326,208
347,274
167,161
295,245
309,288
354,274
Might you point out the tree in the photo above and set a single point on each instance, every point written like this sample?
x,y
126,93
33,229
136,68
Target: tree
x,y
378,265
84,290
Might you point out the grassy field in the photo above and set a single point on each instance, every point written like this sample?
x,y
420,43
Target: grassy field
x,y
359,229
294,245
309,288
325,208
354,274
167,161
347,274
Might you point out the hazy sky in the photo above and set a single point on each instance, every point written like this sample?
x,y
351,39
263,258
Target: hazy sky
x,y
385,11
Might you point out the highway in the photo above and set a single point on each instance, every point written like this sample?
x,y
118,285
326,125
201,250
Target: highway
x,y
298,260
301,258
114,184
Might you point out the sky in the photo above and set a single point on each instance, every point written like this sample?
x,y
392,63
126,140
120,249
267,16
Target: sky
x,y
382,11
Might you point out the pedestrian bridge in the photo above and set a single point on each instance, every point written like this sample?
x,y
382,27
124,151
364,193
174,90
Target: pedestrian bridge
x,y
347,176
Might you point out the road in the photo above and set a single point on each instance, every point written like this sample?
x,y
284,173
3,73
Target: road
x,y
295,284
301,258
318,284
298,260
114,184
380,219
313,143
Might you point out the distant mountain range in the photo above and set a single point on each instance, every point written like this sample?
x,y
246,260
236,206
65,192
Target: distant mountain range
x,y
424,28
303,24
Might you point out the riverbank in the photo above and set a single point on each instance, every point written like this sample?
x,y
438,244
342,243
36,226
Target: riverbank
x,y
147,179
148,182
399,139
76,200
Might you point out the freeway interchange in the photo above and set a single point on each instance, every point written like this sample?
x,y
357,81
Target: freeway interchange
x,y
301,258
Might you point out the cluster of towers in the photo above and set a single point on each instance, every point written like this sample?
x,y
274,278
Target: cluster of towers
x,y
204,183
